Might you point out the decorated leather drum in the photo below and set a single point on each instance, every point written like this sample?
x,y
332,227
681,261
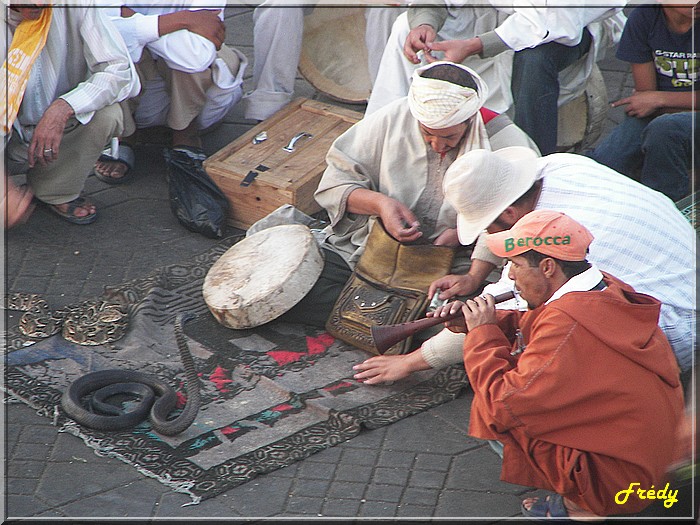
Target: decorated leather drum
x,y
264,275
334,53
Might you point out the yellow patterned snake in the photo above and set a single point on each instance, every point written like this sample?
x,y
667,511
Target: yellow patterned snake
x,y
88,323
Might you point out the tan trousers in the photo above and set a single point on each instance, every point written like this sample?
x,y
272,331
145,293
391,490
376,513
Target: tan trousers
x,y
188,91
63,180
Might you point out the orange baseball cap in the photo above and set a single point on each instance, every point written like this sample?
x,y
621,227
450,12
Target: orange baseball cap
x,y
549,232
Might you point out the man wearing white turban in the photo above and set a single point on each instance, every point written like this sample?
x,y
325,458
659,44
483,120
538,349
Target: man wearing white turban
x,y
390,165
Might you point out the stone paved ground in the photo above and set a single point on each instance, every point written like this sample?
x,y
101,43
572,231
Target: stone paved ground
x,y
423,466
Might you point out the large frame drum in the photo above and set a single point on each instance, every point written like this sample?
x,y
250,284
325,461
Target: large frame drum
x,y
262,276
334,53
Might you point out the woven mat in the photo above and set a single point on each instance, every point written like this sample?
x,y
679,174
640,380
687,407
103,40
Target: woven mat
x,y
688,206
271,396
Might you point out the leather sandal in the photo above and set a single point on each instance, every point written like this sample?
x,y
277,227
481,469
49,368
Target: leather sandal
x,y
69,215
125,156
550,507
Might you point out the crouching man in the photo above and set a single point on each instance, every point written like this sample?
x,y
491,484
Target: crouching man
x,y
580,394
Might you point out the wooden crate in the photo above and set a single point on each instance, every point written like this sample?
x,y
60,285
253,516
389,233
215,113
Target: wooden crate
x,y
282,177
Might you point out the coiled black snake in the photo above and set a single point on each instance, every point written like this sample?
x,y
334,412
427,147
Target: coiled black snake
x,y
105,383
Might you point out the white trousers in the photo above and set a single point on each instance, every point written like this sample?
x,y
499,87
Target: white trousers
x,y
172,98
277,44
394,77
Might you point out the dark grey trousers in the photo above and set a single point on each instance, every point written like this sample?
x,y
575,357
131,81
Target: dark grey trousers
x,y
315,308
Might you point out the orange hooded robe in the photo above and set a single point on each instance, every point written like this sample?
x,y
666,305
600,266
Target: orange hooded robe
x,y
590,406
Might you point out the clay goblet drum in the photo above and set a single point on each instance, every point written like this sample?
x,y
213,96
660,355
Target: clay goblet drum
x,y
264,275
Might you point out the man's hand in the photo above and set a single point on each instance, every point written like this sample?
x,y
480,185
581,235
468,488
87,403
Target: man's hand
x,y
46,141
389,368
400,222
206,22
457,324
641,103
448,238
381,369
203,22
455,50
418,40
453,285
479,311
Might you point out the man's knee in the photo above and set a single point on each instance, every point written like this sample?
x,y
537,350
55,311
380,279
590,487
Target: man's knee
x,y
534,60
199,81
107,122
671,128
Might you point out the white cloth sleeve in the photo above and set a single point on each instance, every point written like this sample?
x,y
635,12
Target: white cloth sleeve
x,y
137,31
531,26
443,349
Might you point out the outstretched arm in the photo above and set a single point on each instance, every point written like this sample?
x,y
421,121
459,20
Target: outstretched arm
x,y
389,368
187,39
647,101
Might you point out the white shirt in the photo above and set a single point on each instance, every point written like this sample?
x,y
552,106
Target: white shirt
x,y
582,282
182,50
530,25
84,62
640,237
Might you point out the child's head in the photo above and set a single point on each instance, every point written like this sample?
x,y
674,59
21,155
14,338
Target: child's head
x,y
688,10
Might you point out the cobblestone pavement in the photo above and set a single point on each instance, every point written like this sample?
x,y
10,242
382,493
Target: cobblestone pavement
x,y
423,466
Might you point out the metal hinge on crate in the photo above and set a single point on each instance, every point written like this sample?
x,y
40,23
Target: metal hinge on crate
x,y
250,177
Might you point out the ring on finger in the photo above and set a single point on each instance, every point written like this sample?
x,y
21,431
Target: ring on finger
x,y
50,150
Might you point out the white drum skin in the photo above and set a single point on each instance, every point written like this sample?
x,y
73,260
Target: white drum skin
x,y
262,276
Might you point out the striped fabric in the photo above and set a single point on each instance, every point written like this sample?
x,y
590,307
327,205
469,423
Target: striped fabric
x,y
85,62
640,237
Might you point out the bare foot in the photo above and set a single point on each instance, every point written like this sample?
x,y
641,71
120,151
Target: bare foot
x,y
111,169
77,211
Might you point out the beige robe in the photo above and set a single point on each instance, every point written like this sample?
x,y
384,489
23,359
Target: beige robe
x,y
386,152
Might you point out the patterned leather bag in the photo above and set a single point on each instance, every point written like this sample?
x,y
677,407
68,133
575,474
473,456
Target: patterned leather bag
x,y
388,286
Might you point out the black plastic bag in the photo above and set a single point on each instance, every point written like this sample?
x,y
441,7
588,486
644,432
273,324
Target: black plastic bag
x,y
195,199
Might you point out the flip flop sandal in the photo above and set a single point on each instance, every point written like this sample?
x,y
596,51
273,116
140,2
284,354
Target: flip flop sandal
x,y
68,214
548,508
126,156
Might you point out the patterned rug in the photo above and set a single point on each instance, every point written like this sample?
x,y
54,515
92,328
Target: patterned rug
x,y
271,395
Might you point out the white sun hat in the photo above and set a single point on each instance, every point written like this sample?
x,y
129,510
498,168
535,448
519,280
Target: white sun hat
x,y
481,184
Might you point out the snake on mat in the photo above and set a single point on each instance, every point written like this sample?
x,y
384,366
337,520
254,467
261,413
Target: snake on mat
x,y
88,323
105,383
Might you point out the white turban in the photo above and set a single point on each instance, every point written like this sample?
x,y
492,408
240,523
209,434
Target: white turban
x,y
440,104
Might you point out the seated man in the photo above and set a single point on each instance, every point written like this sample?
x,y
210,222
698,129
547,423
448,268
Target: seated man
x,y
67,70
190,78
277,45
548,387
657,134
525,46
391,164
641,237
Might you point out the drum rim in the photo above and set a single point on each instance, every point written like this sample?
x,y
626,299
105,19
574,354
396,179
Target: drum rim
x,y
296,286
309,70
